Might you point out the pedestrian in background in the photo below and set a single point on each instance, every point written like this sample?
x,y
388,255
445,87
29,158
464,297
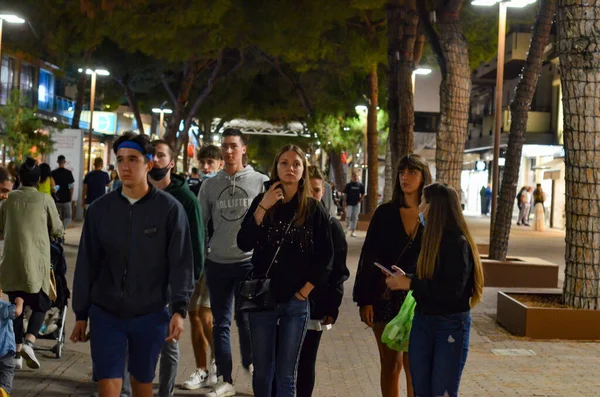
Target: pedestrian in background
x,y
46,184
447,284
393,239
28,220
539,216
525,207
354,193
64,192
290,234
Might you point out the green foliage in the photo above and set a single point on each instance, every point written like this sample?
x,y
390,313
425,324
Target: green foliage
x,y
21,129
263,148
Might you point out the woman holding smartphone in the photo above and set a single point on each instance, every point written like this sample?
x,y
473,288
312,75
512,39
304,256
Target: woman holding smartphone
x,y
393,239
448,283
287,218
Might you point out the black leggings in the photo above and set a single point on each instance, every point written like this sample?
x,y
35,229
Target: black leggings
x,y
305,378
305,382
39,304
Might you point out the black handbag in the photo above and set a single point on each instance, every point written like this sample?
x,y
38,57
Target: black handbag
x,y
256,294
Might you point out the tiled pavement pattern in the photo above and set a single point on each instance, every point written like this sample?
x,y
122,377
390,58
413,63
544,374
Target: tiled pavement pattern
x,y
348,361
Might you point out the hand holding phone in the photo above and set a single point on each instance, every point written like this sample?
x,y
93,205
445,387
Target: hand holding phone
x,y
384,269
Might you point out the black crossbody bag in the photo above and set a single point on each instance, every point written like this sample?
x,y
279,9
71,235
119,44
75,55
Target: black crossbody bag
x,y
256,294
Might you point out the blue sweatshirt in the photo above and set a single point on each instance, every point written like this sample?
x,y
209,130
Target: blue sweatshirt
x,y
134,259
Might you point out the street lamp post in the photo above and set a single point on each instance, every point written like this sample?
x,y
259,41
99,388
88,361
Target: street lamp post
x,y
503,5
10,19
93,73
162,113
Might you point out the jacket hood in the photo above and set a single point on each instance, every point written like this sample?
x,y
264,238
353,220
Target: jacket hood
x,y
177,183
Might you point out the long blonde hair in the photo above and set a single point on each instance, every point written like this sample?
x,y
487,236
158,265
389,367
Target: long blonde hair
x,y
445,213
303,186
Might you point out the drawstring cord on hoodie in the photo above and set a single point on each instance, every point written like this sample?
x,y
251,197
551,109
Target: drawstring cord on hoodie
x,y
234,178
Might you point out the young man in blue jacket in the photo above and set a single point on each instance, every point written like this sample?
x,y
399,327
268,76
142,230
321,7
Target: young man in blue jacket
x,y
135,259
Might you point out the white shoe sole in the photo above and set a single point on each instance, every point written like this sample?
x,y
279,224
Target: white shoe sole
x,y
29,357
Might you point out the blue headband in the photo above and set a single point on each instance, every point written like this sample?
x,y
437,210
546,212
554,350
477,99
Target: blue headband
x,y
134,146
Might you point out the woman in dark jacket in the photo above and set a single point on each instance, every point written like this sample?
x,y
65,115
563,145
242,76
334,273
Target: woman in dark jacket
x,y
285,217
447,284
393,239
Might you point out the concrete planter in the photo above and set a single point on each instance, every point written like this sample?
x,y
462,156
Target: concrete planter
x,y
520,272
546,322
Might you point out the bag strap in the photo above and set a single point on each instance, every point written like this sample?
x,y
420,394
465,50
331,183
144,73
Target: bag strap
x,y
278,248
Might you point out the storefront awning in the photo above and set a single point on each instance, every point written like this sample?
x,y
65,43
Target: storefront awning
x,y
553,165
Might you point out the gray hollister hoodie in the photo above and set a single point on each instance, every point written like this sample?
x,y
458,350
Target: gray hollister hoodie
x,y
225,199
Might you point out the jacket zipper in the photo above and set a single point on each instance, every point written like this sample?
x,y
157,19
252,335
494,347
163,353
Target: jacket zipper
x,y
126,257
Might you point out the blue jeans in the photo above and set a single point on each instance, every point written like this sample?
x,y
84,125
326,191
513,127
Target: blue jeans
x,y
276,350
437,353
223,280
352,212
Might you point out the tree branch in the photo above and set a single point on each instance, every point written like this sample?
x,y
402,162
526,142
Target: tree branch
x,y
432,36
294,82
207,90
168,89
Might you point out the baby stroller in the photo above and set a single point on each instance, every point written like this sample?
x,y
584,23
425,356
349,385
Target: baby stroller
x,y
59,307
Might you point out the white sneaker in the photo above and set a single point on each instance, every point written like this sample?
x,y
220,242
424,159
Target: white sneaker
x,y
18,362
221,389
29,356
353,234
199,379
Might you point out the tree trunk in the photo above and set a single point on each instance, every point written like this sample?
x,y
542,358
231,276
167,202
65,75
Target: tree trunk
x,y
134,107
372,142
516,139
455,93
185,153
450,47
187,81
388,188
403,22
335,162
79,100
579,49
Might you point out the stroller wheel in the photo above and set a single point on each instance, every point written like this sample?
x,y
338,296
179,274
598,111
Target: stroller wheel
x,y
57,349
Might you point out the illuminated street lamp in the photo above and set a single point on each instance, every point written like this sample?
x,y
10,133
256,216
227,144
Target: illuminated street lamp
x,y
162,113
503,5
93,73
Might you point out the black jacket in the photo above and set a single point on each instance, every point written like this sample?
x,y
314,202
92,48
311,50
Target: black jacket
x,y
306,251
134,259
388,244
450,289
325,299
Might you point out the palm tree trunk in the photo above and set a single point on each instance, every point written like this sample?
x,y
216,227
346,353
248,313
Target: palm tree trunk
x,y
388,189
519,114
372,142
335,161
455,93
579,49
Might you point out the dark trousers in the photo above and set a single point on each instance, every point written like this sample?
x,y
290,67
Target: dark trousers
x,y
438,352
223,280
39,304
7,372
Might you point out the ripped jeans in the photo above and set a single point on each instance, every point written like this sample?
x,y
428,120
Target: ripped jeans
x,y
437,353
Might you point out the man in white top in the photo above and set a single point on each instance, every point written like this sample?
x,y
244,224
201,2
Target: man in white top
x,y
525,207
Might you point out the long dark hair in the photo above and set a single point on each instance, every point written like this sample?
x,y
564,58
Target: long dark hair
x,y
445,213
46,172
412,162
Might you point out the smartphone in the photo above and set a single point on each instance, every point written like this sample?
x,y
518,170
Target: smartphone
x,y
385,269
269,183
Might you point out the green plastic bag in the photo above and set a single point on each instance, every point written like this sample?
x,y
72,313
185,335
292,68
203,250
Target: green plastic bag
x,y
397,332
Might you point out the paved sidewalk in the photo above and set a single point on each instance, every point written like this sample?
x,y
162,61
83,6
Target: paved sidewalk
x,y
348,361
